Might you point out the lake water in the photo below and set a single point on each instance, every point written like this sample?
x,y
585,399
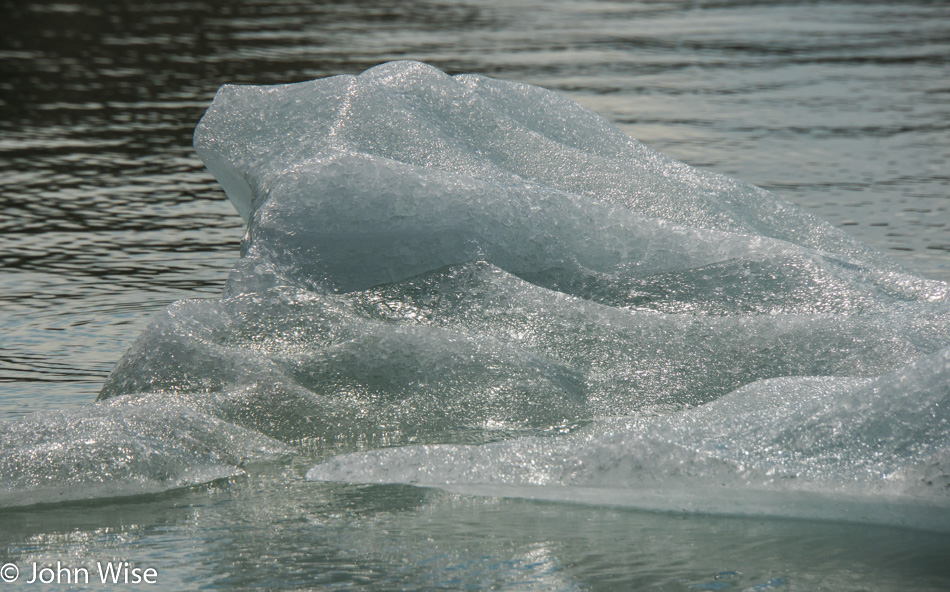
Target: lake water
x,y
108,216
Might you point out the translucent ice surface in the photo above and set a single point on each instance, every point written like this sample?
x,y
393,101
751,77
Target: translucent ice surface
x,y
871,450
504,294
121,448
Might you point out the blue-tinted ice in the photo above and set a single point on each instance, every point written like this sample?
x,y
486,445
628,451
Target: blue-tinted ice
x,y
534,303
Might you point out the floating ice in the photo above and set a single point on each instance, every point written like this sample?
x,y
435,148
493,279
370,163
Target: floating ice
x,y
548,307
121,448
354,181
870,450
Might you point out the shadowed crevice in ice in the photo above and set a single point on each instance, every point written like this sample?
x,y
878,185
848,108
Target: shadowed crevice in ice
x,y
460,260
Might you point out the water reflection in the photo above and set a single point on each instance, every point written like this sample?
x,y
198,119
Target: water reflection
x,y
271,531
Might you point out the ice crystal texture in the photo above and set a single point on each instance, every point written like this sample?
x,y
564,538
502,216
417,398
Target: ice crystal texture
x,y
525,301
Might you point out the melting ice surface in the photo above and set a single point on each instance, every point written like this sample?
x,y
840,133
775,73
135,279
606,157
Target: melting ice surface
x,y
482,286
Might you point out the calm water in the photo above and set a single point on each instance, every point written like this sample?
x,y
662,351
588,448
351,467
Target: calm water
x,y
107,216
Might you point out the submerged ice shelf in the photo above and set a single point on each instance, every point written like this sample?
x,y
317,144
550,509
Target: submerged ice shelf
x,y
509,296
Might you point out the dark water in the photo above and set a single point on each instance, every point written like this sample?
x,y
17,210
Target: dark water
x,y
106,215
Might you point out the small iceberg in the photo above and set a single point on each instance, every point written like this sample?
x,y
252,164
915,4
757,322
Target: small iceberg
x,y
480,285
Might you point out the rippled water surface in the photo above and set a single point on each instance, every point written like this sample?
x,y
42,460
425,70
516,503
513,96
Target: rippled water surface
x,y
107,215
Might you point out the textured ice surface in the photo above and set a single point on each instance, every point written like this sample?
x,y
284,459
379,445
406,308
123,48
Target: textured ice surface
x,y
352,181
871,450
121,448
546,306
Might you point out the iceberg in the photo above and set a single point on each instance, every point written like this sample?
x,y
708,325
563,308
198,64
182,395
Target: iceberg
x,y
480,285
